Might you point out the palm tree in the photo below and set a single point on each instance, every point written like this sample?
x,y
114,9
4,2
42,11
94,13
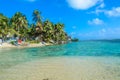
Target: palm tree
x,y
36,16
32,31
19,23
3,26
38,21
42,31
48,30
59,33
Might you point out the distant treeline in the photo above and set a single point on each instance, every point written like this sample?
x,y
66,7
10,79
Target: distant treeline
x,y
18,26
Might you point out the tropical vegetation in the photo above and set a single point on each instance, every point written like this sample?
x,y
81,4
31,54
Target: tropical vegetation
x,y
39,30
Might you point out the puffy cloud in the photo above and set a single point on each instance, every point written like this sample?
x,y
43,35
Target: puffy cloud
x,y
95,21
104,33
115,12
84,4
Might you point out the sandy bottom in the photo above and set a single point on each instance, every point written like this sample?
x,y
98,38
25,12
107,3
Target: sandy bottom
x,y
65,68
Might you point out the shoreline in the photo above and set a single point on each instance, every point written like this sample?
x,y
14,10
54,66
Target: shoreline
x,y
30,45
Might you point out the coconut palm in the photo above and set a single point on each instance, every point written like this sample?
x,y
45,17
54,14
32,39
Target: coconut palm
x,y
38,21
41,31
59,34
36,16
3,26
20,23
48,30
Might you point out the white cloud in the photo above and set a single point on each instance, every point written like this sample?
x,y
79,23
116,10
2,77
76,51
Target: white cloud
x,y
97,11
104,33
95,21
83,4
115,12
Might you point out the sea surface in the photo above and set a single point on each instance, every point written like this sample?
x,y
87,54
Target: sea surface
x,y
84,60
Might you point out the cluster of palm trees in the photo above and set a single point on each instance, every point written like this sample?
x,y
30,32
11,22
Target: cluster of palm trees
x,y
18,26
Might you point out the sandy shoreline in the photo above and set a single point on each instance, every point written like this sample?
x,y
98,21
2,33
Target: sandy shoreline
x,y
63,68
7,45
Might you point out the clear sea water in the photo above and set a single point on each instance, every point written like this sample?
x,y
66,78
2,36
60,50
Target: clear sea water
x,y
84,48
108,52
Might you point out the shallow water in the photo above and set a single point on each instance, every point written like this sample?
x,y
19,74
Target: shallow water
x,y
86,60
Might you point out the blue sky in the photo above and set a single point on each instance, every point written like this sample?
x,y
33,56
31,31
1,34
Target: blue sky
x,y
84,19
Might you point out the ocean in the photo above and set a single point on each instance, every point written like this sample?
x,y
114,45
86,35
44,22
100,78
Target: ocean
x,y
84,60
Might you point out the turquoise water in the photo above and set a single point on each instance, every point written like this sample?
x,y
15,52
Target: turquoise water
x,y
10,57
102,57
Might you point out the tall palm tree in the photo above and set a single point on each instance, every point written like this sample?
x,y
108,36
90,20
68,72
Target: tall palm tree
x,y
36,16
42,31
38,21
48,30
3,26
19,23
59,33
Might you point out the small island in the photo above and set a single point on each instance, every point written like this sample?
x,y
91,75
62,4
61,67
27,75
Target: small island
x,y
18,31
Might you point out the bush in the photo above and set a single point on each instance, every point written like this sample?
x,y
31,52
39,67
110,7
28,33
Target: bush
x,y
12,42
33,41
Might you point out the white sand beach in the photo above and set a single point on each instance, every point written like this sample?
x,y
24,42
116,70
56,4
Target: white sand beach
x,y
64,68
8,45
